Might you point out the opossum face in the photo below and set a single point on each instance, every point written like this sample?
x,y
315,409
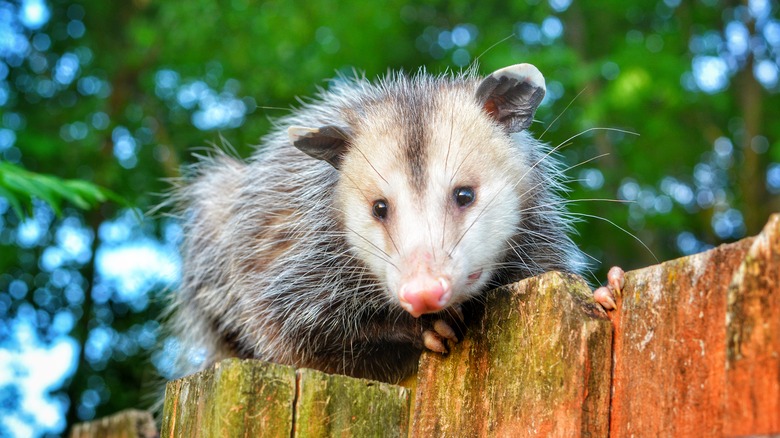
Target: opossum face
x,y
431,188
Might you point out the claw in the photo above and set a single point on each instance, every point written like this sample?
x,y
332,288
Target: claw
x,y
433,342
616,278
444,330
604,297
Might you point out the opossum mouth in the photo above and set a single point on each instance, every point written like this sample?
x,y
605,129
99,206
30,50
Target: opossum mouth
x,y
474,276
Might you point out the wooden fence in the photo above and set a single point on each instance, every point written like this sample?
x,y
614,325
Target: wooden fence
x,y
693,349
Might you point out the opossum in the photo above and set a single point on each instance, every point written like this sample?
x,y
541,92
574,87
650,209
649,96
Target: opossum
x,y
365,221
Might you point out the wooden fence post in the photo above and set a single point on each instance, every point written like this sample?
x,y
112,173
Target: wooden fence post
x,y
332,405
232,398
130,423
693,349
255,398
752,398
537,365
696,344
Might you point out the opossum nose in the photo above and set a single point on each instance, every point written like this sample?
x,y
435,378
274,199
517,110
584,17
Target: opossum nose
x,y
424,294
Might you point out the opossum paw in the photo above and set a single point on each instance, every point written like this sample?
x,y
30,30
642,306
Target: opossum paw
x,y
441,331
436,339
605,295
434,342
444,330
616,278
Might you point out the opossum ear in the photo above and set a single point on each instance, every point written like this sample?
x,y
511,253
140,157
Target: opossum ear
x,y
512,94
326,143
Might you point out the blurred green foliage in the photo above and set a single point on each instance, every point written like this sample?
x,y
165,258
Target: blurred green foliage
x,y
119,94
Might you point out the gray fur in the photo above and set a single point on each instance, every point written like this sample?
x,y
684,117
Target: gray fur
x,y
267,271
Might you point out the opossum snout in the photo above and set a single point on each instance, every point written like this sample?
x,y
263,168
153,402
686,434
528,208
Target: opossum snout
x,y
424,293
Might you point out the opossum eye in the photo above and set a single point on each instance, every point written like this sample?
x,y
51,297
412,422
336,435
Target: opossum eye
x,y
380,210
464,196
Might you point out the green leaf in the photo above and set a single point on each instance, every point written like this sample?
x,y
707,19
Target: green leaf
x,y
16,205
21,186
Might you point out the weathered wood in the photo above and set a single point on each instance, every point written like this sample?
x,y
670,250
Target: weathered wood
x,y
131,423
668,375
410,383
331,405
695,351
537,365
255,398
752,398
232,398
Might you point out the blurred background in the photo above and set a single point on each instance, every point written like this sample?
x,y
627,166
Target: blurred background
x,y
101,101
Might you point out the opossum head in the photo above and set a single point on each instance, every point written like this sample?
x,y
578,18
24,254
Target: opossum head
x,y
431,187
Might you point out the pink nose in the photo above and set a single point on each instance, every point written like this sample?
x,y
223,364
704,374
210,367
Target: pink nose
x,y
424,294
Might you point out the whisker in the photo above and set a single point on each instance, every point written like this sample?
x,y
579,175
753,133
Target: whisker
x,y
576,200
599,129
274,108
449,140
369,162
468,153
386,256
585,162
473,222
493,46
562,112
621,229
